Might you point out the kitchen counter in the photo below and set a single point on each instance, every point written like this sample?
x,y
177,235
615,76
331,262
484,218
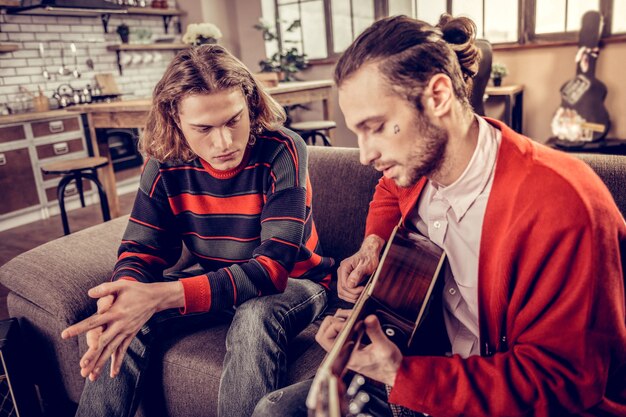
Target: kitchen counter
x,y
33,116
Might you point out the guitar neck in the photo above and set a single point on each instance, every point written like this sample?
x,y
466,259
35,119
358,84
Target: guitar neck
x,y
336,359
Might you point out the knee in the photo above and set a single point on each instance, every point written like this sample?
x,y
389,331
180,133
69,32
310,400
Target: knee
x,y
288,401
270,405
257,315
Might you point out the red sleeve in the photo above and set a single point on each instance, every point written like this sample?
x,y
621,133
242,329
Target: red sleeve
x,y
384,211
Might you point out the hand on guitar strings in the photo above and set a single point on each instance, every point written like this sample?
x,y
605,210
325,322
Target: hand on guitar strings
x,y
378,360
355,270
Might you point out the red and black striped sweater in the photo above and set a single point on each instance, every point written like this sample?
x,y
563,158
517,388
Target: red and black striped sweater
x,y
250,227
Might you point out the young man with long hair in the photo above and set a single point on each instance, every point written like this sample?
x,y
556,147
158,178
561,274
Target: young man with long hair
x,y
227,181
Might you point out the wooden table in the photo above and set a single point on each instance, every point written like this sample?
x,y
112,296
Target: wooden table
x,y
133,114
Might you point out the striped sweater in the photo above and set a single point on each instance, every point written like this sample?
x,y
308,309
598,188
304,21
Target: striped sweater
x,y
250,227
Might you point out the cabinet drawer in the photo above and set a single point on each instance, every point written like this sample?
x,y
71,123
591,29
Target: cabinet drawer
x,y
11,133
59,148
70,190
17,181
53,127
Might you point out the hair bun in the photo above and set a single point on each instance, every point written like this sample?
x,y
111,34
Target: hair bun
x,y
460,33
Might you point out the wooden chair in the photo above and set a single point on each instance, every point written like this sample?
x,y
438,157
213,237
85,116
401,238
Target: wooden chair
x,y
77,170
312,130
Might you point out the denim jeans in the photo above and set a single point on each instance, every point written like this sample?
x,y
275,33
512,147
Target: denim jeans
x,y
291,401
256,353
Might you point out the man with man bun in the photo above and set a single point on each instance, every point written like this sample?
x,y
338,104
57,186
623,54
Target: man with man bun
x,y
533,299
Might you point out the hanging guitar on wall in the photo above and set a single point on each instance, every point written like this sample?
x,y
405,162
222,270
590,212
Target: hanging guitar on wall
x,y
582,116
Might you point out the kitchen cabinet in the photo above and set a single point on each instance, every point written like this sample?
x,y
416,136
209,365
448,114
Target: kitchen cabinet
x,y
27,193
17,181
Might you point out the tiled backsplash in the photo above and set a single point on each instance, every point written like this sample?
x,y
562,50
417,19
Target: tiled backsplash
x,y
24,67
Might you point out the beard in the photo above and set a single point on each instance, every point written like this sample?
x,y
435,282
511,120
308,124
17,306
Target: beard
x,y
427,156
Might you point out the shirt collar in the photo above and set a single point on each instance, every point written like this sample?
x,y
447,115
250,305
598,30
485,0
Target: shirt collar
x,y
462,193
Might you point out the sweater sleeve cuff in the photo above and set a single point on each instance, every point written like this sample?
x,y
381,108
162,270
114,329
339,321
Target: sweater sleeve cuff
x,y
197,291
403,392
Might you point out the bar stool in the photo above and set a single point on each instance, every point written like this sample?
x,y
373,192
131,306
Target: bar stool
x,y
313,129
77,170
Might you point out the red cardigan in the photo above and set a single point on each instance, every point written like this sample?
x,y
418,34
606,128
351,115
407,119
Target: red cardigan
x,y
550,293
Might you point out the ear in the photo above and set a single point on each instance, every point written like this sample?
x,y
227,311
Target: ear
x,y
440,95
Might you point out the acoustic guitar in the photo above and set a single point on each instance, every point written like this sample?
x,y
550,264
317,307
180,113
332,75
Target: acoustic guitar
x,y
582,116
399,293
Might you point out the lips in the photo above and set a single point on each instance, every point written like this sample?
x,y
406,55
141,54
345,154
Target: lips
x,y
385,169
226,156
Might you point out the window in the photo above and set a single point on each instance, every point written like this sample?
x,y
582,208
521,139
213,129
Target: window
x,y
320,32
329,26
558,16
618,24
309,36
349,20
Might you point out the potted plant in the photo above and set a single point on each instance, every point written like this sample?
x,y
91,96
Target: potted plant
x,y
201,33
124,32
288,60
498,72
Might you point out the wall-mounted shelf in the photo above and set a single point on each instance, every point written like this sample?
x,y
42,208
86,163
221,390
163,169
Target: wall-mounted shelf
x,y
167,14
119,48
8,47
147,46
105,15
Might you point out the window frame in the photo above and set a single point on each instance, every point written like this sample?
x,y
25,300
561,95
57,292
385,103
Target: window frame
x,y
526,36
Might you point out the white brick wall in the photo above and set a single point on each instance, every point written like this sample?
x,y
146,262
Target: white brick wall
x,y
24,66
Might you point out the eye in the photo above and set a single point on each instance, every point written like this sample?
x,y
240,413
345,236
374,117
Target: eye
x,y
380,128
233,122
204,130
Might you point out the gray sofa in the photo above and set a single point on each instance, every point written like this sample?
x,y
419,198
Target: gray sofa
x,y
49,284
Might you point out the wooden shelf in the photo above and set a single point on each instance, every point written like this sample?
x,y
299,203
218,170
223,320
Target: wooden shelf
x,y
8,47
167,15
119,48
149,11
147,47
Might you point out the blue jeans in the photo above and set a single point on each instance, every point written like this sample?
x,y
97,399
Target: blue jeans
x,y
290,401
255,361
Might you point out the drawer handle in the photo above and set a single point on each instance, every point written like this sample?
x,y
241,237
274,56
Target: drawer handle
x,y
60,148
56,126
3,159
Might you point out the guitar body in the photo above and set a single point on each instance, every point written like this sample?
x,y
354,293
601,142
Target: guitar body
x,y
405,294
402,293
582,116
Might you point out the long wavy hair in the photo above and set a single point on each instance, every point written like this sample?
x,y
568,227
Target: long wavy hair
x,y
202,70
409,52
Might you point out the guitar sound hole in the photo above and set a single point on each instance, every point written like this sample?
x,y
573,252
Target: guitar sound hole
x,y
395,334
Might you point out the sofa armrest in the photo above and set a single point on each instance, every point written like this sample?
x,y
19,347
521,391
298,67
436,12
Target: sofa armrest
x,y
56,276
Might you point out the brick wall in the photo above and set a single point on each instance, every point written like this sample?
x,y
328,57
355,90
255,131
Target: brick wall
x,y
24,66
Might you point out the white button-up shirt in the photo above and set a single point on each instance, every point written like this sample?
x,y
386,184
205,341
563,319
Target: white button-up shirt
x,y
452,217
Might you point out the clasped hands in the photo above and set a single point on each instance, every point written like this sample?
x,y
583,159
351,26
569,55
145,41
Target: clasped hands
x,y
123,308
381,359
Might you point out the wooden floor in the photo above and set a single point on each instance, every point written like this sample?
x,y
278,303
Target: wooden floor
x,y
23,238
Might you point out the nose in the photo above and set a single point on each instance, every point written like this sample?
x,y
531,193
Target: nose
x,y
367,152
224,138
